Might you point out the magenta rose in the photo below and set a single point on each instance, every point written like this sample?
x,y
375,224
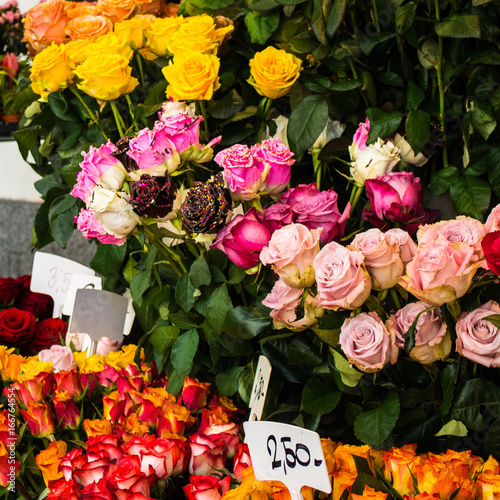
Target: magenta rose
x,y
341,277
278,215
243,174
296,195
491,249
477,338
206,487
276,159
397,198
206,454
367,343
16,327
243,239
432,338
92,228
359,139
181,125
290,253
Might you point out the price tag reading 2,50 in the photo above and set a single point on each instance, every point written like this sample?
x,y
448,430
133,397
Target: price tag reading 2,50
x,y
289,454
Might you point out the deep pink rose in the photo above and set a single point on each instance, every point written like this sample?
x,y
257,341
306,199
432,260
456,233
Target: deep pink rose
x,y
290,253
206,487
206,454
359,139
298,194
341,277
92,228
278,215
432,339
182,127
276,159
243,239
243,174
367,343
491,249
477,338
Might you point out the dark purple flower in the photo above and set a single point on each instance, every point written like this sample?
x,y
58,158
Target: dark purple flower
x,y
153,196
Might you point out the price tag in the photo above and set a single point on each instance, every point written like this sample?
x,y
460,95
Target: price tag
x,y
289,454
52,275
259,389
98,313
79,281
129,318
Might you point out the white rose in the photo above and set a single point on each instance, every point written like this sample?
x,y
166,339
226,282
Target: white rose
x,y
333,130
281,130
173,108
406,152
376,160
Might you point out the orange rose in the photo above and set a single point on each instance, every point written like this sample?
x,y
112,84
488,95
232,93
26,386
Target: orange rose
x,y
491,466
489,485
116,10
152,7
370,493
97,427
457,463
434,477
344,460
399,463
329,451
45,23
176,419
132,426
48,461
77,9
86,27
170,9
194,393
342,480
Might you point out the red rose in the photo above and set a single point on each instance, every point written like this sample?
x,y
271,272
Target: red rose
x,y
107,443
68,490
206,454
9,289
241,460
92,472
203,487
70,382
194,394
16,327
128,476
97,491
491,249
48,333
39,304
73,460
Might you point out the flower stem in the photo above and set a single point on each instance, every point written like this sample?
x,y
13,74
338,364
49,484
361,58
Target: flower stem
x,y
131,111
166,252
355,194
375,15
139,66
395,298
203,110
267,107
92,117
118,120
21,490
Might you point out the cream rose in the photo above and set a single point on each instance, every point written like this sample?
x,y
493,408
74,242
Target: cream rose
x,y
406,152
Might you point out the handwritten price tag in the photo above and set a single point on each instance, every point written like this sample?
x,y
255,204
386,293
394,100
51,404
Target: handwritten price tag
x,y
289,454
259,389
52,275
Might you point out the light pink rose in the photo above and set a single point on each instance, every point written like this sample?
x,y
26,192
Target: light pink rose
x,y
91,228
492,223
290,253
341,277
283,300
367,343
432,338
61,356
107,345
382,259
460,230
242,173
359,139
276,159
477,338
440,272
407,247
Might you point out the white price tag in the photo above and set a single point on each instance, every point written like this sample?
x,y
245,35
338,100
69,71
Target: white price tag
x,y
259,389
289,454
52,275
129,318
79,281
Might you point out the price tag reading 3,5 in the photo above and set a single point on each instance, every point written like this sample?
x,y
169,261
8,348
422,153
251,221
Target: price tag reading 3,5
x,y
289,454
259,389
52,276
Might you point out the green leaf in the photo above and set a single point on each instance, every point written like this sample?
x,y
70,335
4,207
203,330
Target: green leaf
x,y
470,195
448,381
494,319
475,3
138,286
60,107
475,395
382,124
302,352
483,122
346,85
182,321
46,183
211,4
261,26
459,26
228,380
418,129
452,428
318,397
108,259
306,123
263,5
183,351
318,22
246,322
368,43
405,15
335,17
226,107
349,375
163,337
199,274
390,78
62,227
217,307
442,180
414,95
290,2
374,426
184,292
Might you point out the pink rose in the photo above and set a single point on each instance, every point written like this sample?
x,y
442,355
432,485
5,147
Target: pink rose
x,y
407,247
493,221
278,215
283,300
463,229
181,129
243,239
341,277
276,159
367,343
301,193
206,454
61,356
396,198
440,272
91,228
382,259
11,65
290,253
206,487
477,338
432,338
107,345
359,139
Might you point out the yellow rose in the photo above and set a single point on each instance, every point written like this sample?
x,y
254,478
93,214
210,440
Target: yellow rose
x,y
199,34
192,76
273,72
116,10
123,357
48,461
106,76
97,427
91,364
50,71
32,368
160,33
133,31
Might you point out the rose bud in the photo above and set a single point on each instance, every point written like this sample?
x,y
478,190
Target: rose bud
x,y
491,248
206,454
241,460
243,239
207,206
122,146
67,413
359,139
9,290
406,152
432,338
200,487
477,338
39,418
30,390
175,418
154,197
194,394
